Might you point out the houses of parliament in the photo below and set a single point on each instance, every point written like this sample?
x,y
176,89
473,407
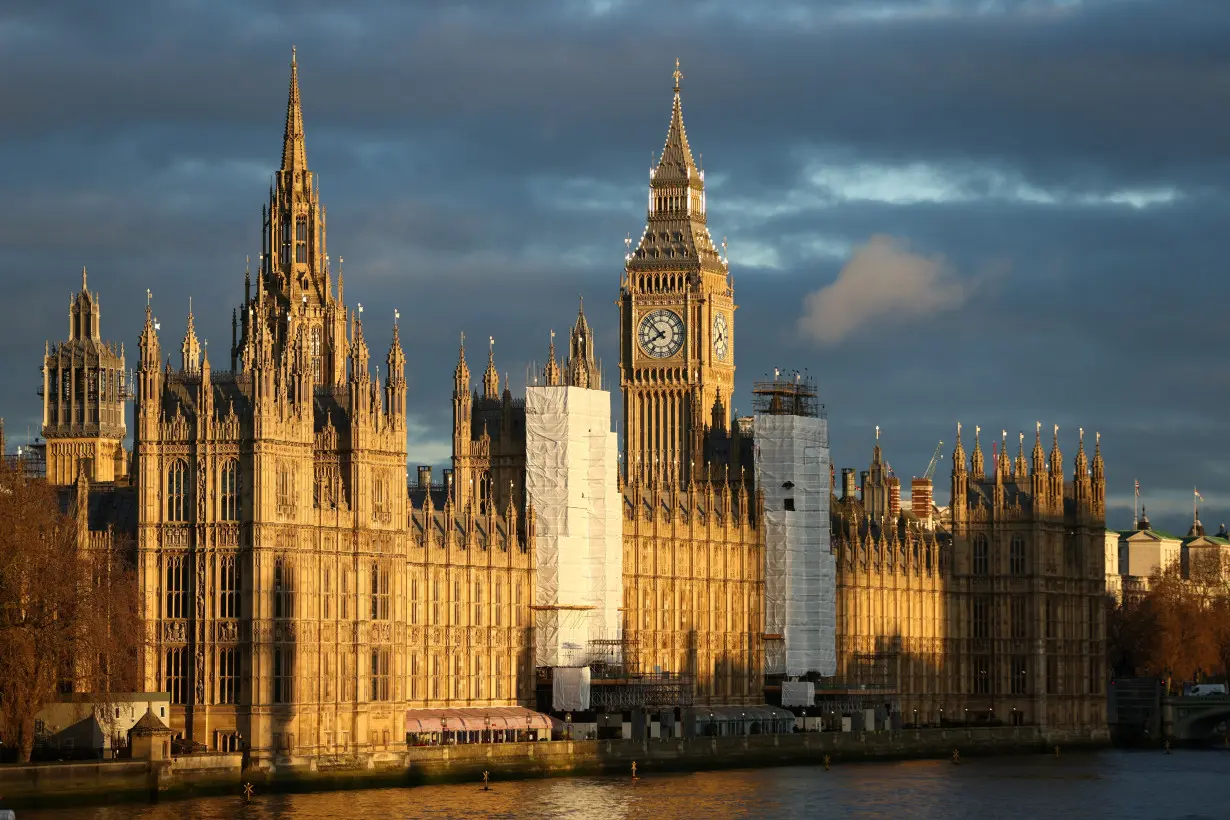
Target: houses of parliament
x,y
302,591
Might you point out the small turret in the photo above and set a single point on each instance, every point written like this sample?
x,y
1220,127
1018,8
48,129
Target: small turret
x,y
551,374
491,378
976,464
395,384
1020,470
191,348
960,481
583,369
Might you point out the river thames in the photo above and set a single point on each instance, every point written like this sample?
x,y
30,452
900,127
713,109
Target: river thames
x,y
1126,785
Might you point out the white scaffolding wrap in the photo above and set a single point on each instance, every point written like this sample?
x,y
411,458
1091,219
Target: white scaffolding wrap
x,y
792,469
570,689
798,693
570,479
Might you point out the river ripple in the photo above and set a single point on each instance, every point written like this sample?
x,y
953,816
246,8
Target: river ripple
x,y
1139,785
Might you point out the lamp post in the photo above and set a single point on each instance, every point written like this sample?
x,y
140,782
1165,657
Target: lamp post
x,y
529,721
487,724
941,717
967,718
744,722
444,731
804,720
712,728
568,720
915,718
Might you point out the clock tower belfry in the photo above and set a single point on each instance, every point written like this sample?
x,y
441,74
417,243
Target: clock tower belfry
x,y
676,322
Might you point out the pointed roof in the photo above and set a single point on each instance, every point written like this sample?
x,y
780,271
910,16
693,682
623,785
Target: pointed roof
x,y
676,234
149,724
676,163
294,154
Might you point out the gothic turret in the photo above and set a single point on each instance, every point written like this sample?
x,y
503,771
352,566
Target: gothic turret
x,y
1081,485
395,384
1098,474
960,481
1020,470
976,464
1056,475
491,378
583,368
191,348
550,374
84,392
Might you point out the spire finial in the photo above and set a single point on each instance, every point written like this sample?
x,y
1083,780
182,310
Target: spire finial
x,y
396,316
877,432
293,153
678,75
292,55
84,289
1056,435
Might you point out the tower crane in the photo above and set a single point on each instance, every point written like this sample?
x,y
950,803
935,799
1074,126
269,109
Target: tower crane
x,y
935,457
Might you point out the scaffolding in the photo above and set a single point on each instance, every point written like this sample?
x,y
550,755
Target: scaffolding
x,y
618,685
792,396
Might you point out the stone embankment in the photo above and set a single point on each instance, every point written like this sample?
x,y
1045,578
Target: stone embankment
x,y
83,783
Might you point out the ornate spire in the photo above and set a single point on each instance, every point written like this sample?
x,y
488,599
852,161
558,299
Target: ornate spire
x,y
551,373
491,378
1056,456
958,453
359,356
583,367
676,162
976,464
191,348
1021,468
294,155
1039,457
461,375
1099,468
150,355
1082,461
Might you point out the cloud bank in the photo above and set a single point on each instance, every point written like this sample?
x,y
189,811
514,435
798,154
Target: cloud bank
x,y
883,283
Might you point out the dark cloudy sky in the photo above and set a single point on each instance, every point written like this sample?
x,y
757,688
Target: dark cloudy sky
x,y
993,211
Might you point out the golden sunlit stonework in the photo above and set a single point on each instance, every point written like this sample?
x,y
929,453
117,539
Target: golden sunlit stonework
x,y
303,594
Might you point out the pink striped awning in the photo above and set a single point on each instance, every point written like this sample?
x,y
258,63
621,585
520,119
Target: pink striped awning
x,y
425,721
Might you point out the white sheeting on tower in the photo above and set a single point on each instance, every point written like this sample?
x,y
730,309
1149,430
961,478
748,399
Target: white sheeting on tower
x,y
792,467
570,479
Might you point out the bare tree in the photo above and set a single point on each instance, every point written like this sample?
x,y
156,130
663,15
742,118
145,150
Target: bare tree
x,y
68,607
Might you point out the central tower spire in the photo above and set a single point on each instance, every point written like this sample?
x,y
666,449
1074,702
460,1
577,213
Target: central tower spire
x,y
676,316
294,154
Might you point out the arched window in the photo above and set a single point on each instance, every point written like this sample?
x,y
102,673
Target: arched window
x,y
301,235
317,361
177,492
982,555
1017,555
176,587
175,675
229,491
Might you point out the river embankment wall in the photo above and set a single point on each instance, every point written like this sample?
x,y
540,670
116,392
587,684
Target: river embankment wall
x,y
117,781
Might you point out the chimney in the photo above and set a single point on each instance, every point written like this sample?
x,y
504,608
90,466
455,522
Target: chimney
x,y
848,486
424,477
921,499
865,478
894,498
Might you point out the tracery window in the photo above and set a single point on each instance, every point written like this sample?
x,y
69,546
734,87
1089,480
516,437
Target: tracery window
x,y
176,587
301,235
229,495
1016,556
177,492
228,676
228,587
982,555
283,675
317,360
283,589
380,592
175,675
380,675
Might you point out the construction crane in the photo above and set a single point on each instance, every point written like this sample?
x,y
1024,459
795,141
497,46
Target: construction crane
x,y
935,457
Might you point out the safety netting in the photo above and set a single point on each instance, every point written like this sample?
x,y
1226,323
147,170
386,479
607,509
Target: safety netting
x,y
792,467
571,475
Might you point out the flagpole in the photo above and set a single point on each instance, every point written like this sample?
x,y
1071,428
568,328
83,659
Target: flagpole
x,y
1136,506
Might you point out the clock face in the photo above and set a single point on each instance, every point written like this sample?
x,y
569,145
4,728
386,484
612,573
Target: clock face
x,y
721,336
660,333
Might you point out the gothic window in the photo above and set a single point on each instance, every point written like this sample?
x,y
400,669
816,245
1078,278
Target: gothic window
x,y
982,675
1019,668
177,587
177,492
982,555
286,487
484,492
1052,675
228,676
478,603
380,592
380,500
343,591
327,675
380,675
228,587
1052,618
414,600
1016,556
517,604
283,675
175,675
229,494
435,601
326,595
498,603
1020,626
478,677
283,589
301,235
286,241
317,360
457,617
982,617
458,676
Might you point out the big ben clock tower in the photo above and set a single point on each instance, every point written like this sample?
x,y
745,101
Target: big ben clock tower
x,y
676,307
